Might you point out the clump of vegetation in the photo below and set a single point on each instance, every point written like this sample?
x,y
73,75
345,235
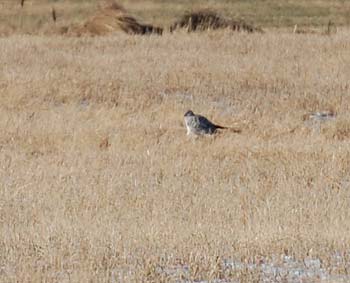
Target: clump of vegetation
x,y
113,18
210,20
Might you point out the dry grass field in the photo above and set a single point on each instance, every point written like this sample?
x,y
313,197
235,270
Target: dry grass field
x,y
35,15
99,182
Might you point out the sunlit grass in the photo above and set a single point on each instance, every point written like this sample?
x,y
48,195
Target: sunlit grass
x,y
99,180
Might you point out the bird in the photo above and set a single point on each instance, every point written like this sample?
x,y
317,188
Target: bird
x,y
199,125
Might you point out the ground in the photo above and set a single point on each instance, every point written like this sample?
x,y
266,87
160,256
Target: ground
x,y
100,182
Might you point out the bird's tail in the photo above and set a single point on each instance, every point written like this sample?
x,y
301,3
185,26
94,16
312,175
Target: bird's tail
x,y
220,127
235,130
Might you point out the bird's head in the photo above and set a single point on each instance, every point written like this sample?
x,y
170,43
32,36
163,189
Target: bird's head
x,y
189,113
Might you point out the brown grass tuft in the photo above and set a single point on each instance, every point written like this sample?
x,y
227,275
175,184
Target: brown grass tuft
x,y
53,14
210,20
105,143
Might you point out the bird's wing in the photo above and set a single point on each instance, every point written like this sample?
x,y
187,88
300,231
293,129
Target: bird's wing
x,y
204,122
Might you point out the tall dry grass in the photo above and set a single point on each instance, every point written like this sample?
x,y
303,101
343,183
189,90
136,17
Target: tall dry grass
x,y
100,183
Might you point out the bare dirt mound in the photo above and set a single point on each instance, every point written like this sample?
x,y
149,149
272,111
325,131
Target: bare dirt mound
x,y
209,20
112,18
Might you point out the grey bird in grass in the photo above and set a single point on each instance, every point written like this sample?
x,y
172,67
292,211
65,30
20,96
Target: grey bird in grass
x,y
199,125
